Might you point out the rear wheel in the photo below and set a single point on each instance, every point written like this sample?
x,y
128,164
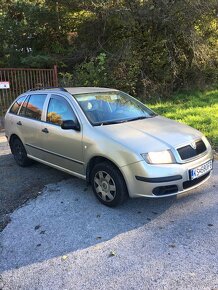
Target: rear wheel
x,y
108,184
19,152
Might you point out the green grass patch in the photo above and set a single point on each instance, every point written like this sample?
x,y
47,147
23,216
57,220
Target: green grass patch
x,y
198,109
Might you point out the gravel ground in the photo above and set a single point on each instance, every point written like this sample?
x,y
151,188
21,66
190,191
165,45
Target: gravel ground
x,y
17,185
65,239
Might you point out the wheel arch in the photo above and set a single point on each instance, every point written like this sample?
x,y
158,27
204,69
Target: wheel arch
x,y
99,159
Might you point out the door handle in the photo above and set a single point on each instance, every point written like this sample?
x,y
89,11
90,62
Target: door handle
x,y
45,130
19,123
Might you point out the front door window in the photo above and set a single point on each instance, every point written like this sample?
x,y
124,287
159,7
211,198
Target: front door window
x,y
59,110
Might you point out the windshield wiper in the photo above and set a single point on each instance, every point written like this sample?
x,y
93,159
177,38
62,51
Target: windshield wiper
x,y
141,118
122,121
110,122
137,118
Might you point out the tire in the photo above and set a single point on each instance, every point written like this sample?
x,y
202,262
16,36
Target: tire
x,y
19,152
108,184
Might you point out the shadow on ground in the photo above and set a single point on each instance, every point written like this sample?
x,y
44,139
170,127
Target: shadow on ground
x,y
17,184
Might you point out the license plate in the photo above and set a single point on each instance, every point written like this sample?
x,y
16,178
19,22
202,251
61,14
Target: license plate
x,y
201,170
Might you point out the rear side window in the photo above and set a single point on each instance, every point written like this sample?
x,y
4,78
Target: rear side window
x,y
32,108
17,104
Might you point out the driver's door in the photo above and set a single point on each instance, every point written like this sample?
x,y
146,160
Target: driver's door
x,y
61,147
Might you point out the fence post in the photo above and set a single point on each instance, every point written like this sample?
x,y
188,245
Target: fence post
x,y
55,76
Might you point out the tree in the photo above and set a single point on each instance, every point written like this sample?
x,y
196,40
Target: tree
x,y
150,47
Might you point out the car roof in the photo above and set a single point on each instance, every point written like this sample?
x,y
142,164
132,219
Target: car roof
x,y
86,90
75,90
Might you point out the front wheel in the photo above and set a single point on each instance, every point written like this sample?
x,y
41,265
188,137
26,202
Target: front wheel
x,y
108,184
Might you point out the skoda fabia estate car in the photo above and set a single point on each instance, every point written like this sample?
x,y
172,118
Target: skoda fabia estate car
x,y
109,139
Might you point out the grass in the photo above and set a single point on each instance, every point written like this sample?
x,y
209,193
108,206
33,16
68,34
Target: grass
x,y
197,109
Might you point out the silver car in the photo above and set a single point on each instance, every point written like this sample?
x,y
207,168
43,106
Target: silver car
x,y
109,139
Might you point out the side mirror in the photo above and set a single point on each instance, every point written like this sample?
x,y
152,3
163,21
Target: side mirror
x,y
70,125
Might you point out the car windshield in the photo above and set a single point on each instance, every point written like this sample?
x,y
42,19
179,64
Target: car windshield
x,y
112,108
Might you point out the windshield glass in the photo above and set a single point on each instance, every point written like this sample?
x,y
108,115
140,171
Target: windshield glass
x,y
112,108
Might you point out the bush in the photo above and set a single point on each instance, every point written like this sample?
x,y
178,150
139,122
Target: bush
x,y
91,73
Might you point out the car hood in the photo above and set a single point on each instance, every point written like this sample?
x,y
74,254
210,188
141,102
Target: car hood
x,y
151,134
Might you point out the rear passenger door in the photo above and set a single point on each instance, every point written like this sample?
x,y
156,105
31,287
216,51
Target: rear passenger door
x,y
61,147
29,124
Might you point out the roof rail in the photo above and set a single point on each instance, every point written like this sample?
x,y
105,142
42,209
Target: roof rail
x,y
47,88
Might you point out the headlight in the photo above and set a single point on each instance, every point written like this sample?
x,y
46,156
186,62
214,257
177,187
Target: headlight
x,y
161,157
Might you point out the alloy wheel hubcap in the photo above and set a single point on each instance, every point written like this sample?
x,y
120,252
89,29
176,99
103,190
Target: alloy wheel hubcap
x,y
105,186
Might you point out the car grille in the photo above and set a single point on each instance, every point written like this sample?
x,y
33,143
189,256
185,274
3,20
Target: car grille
x,y
194,182
187,151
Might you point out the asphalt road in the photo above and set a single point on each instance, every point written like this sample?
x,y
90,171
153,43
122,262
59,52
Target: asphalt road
x,y
65,239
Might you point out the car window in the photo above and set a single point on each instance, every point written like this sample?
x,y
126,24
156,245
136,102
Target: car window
x,y
33,107
16,106
59,110
23,108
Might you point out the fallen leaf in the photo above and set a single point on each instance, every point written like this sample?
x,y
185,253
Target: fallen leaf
x,y
112,254
97,247
172,245
37,227
191,274
65,257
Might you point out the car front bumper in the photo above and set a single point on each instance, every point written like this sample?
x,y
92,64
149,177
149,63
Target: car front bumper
x,y
163,180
